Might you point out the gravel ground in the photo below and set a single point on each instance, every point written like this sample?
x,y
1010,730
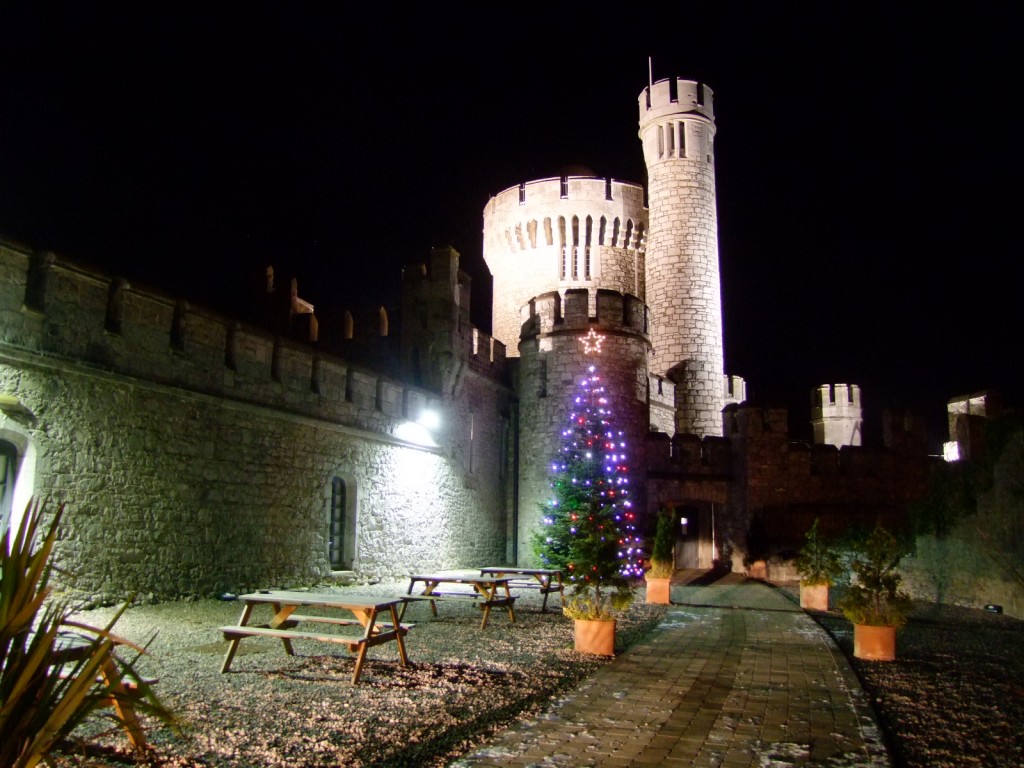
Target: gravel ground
x,y
954,697
463,685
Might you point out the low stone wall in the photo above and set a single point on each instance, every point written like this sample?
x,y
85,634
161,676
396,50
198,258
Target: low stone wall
x,y
959,571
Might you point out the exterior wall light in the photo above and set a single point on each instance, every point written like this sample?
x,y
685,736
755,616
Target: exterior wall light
x,y
429,419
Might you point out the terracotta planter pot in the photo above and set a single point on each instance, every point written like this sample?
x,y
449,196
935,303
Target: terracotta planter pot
x,y
658,591
814,597
595,637
874,643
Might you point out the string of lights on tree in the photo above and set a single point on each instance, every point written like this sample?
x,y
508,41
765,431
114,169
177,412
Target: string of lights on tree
x,y
589,517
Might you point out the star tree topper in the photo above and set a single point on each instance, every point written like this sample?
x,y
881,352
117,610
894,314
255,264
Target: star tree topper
x,y
592,342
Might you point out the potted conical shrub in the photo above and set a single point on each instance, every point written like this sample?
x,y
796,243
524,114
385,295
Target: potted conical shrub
x,y
659,575
818,566
587,526
874,602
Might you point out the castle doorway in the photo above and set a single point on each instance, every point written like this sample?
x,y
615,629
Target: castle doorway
x,y
687,549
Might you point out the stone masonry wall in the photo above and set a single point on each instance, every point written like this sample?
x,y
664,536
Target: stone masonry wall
x,y
196,456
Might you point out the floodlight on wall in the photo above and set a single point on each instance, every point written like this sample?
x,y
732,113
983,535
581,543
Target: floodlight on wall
x,y
430,419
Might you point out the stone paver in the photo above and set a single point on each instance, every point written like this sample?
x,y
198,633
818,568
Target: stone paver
x,y
735,675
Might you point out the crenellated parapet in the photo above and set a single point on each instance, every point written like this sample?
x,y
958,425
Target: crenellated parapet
x,y
439,345
61,314
561,233
580,309
836,414
734,389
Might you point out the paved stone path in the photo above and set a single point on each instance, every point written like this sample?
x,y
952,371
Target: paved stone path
x,y
735,675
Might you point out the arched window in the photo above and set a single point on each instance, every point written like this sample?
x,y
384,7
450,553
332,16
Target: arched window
x,y
8,472
341,525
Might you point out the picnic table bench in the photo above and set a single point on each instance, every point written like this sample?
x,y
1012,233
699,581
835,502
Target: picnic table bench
x,y
485,593
124,690
282,625
547,580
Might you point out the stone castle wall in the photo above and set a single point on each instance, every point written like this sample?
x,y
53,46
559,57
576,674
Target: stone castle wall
x,y
552,359
562,233
196,455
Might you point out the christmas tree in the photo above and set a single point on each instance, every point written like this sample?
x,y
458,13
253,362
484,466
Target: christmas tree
x,y
588,527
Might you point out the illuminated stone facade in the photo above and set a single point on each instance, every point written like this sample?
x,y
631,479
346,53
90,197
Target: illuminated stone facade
x,y
200,454
561,233
677,129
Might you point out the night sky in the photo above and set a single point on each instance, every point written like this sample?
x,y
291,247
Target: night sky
x,y
867,161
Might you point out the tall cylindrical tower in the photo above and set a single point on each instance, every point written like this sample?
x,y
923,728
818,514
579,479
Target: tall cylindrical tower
x,y
677,128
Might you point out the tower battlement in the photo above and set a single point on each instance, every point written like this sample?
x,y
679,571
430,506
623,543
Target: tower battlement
x,y
835,397
674,96
836,414
550,312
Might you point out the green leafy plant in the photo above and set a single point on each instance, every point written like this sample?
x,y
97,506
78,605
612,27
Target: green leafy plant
x,y
662,551
874,598
41,700
817,563
595,605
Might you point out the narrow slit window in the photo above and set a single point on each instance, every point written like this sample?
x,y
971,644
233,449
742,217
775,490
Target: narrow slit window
x,y
563,250
575,247
586,253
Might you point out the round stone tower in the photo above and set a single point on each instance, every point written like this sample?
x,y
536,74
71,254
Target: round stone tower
x,y
557,348
559,234
677,128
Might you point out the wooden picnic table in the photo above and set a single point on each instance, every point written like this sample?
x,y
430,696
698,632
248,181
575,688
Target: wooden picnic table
x,y
485,592
366,611
72,647
547,580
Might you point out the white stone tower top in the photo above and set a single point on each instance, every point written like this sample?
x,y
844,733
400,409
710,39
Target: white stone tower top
x,y
561,233
677,129
836,414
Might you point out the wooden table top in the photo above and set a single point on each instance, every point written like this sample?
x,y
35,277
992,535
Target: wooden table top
x,y
330,599
459,579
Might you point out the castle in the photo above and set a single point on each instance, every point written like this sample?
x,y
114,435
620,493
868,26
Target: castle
x,y
200,454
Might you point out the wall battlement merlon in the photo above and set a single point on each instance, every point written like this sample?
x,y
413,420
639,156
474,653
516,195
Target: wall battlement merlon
x,y
215,355
614,310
